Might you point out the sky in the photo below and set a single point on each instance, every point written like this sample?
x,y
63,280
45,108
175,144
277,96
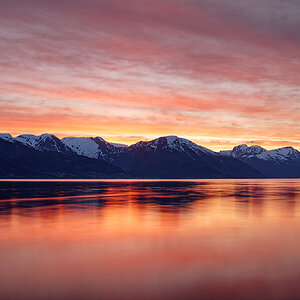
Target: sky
x,y
218,72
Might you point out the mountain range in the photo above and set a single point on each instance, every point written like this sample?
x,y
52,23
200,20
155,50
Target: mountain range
x,y
46,156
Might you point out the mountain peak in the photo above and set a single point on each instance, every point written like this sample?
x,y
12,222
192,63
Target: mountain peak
x,y
43,142
85,146
6,137
241,147
255,151
27,139
171,140
47,135
172,143
283,153
245,151
93,147
98,139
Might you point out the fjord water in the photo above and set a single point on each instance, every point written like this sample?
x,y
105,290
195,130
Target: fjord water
x,y
200,239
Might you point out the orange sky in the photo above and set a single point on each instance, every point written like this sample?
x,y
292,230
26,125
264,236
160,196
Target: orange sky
x,y
220,73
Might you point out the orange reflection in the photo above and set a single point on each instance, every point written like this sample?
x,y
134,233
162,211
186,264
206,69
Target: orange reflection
x,y
150,239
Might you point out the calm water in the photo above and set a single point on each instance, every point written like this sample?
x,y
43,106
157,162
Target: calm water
x,y
203,239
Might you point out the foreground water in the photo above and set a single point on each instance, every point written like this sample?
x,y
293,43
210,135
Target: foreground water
x,y
203,239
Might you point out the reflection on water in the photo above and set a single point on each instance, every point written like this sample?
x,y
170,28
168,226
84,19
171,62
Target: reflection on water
x,y
202,239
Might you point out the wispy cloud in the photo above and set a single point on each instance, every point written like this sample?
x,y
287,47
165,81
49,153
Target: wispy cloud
x,y
226,70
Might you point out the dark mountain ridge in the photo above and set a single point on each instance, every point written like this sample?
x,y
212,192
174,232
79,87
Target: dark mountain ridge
x,y
173,157
278,163
164,157
20,161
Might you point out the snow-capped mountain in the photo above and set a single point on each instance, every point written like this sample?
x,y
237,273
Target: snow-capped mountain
x,y
243,151
174,157
84,146
6,137
93,147
172,143
283,154
169,157
280,154
21,160
44,142
281,162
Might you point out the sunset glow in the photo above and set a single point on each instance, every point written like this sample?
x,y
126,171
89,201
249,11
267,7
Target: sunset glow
x,y
126,240
219,73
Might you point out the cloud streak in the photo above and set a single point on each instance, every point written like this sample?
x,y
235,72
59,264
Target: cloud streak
x,y
223,69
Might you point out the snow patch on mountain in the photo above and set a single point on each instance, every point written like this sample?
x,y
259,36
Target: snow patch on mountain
x,y
82,146
172,143
28,139
177,143
284,153
6,137
244,151
44,142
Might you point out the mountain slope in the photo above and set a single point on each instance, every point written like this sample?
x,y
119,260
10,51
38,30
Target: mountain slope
x,y
20,161
164,157
173,157
93,147
278,163
44,142
243,151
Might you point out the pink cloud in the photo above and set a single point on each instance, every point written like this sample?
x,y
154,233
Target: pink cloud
x,y
174,61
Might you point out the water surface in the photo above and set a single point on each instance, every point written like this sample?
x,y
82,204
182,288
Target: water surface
x,y
200,239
